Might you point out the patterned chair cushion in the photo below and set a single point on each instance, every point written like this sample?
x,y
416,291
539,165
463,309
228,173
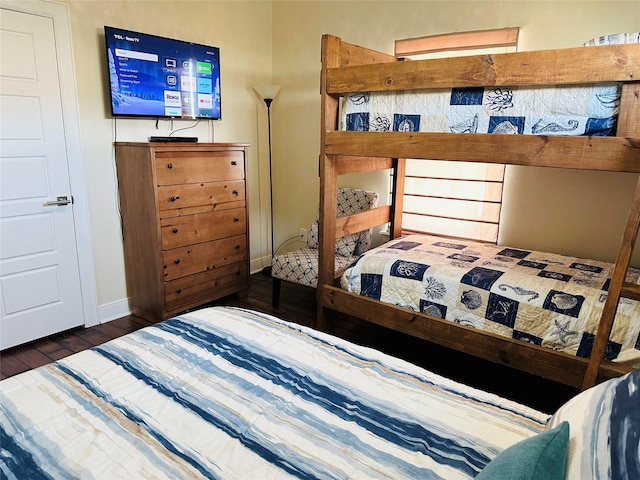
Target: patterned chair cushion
x,y
301,266
350,201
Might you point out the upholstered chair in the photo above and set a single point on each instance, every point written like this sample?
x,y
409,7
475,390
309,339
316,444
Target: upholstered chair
x,y
301,266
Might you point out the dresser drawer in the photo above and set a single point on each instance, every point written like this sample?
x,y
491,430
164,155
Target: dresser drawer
x,y
178,199
187,292
203,227
175,168
183,261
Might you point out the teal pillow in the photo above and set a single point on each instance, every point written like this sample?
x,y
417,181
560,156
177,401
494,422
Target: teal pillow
x,y
543,457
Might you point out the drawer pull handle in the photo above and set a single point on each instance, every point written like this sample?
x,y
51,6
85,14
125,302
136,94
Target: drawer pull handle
x,y
233,162
173,199
179,290
170,165
237,247
236,219
176,261
175,230
236,192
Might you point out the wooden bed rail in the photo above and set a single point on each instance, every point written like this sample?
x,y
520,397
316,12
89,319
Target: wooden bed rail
x,y
621,154
540,361
607,63
362,221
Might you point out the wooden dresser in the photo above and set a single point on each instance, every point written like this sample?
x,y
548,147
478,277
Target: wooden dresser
x,y
185,224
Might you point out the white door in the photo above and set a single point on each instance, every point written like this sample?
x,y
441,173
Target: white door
x,y
39,271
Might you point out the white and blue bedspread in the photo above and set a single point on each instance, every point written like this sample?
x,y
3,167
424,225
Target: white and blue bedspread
x,y
230,393
564,110
546,299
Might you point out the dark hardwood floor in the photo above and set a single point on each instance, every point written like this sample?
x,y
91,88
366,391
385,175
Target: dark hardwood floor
x,y
297,304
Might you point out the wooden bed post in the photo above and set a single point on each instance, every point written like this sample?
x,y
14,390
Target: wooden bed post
x,y
614,292
330,53
399,168
628,126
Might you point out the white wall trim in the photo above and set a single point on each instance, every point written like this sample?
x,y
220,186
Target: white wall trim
x,y
258,264
114,310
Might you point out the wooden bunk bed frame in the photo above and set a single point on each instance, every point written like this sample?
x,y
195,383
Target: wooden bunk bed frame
x,y
349,68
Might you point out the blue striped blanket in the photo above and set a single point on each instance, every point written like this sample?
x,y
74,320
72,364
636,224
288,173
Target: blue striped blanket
x,y
225,392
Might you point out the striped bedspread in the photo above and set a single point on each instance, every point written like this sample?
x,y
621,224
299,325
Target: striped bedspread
x,y
225,392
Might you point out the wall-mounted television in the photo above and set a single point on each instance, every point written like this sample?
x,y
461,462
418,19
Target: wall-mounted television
x,y
152,76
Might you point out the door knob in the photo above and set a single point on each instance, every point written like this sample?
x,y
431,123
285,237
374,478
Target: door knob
x,y
59,202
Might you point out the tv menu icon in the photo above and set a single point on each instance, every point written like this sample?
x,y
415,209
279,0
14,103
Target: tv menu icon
x,y
204,85
187,83
172,80
205,101
170,62
172,98
203,68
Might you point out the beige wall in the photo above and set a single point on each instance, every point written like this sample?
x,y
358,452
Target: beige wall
x,y
242,31
543,209
264,42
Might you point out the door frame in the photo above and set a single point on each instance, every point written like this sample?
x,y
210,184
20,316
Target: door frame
x,y
59,14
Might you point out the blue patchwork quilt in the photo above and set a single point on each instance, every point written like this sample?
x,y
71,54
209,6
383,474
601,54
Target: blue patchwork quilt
x,y
564,110
546,299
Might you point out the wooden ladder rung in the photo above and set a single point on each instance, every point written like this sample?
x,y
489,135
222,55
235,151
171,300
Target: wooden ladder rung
x,y
630,290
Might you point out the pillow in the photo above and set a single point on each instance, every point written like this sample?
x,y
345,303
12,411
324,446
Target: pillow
x,y
605,429
543,456
345,246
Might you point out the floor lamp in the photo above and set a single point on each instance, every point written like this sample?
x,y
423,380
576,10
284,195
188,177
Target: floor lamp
x,y
268,93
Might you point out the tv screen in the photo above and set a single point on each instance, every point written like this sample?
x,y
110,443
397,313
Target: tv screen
x,y
154,76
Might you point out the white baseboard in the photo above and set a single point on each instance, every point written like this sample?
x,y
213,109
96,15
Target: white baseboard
x,y
259,263
113,310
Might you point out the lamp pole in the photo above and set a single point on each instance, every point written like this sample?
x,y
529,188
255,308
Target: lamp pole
x,y
268,93
268,101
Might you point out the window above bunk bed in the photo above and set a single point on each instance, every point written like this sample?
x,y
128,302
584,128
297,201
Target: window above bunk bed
x,y
501,39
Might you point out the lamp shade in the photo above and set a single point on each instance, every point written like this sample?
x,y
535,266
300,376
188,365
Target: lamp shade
x,y
268,91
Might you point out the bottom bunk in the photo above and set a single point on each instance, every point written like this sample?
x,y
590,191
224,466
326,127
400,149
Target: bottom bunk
x,y
226,392
531,310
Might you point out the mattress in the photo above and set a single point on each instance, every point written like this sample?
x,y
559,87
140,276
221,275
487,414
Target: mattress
x,y
546,299
225,392
562,110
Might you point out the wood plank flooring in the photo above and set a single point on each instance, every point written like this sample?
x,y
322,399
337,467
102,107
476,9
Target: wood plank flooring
x,y
297,304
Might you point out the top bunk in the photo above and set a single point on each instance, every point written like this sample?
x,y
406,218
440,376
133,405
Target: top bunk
x,y
349,69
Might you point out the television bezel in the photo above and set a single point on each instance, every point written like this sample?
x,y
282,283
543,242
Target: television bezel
x,y
168,39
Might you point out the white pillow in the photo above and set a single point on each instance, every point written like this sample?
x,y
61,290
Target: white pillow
x,y
604,420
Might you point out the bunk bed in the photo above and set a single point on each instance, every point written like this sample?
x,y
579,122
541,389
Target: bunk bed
x,y
226,392
349,69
